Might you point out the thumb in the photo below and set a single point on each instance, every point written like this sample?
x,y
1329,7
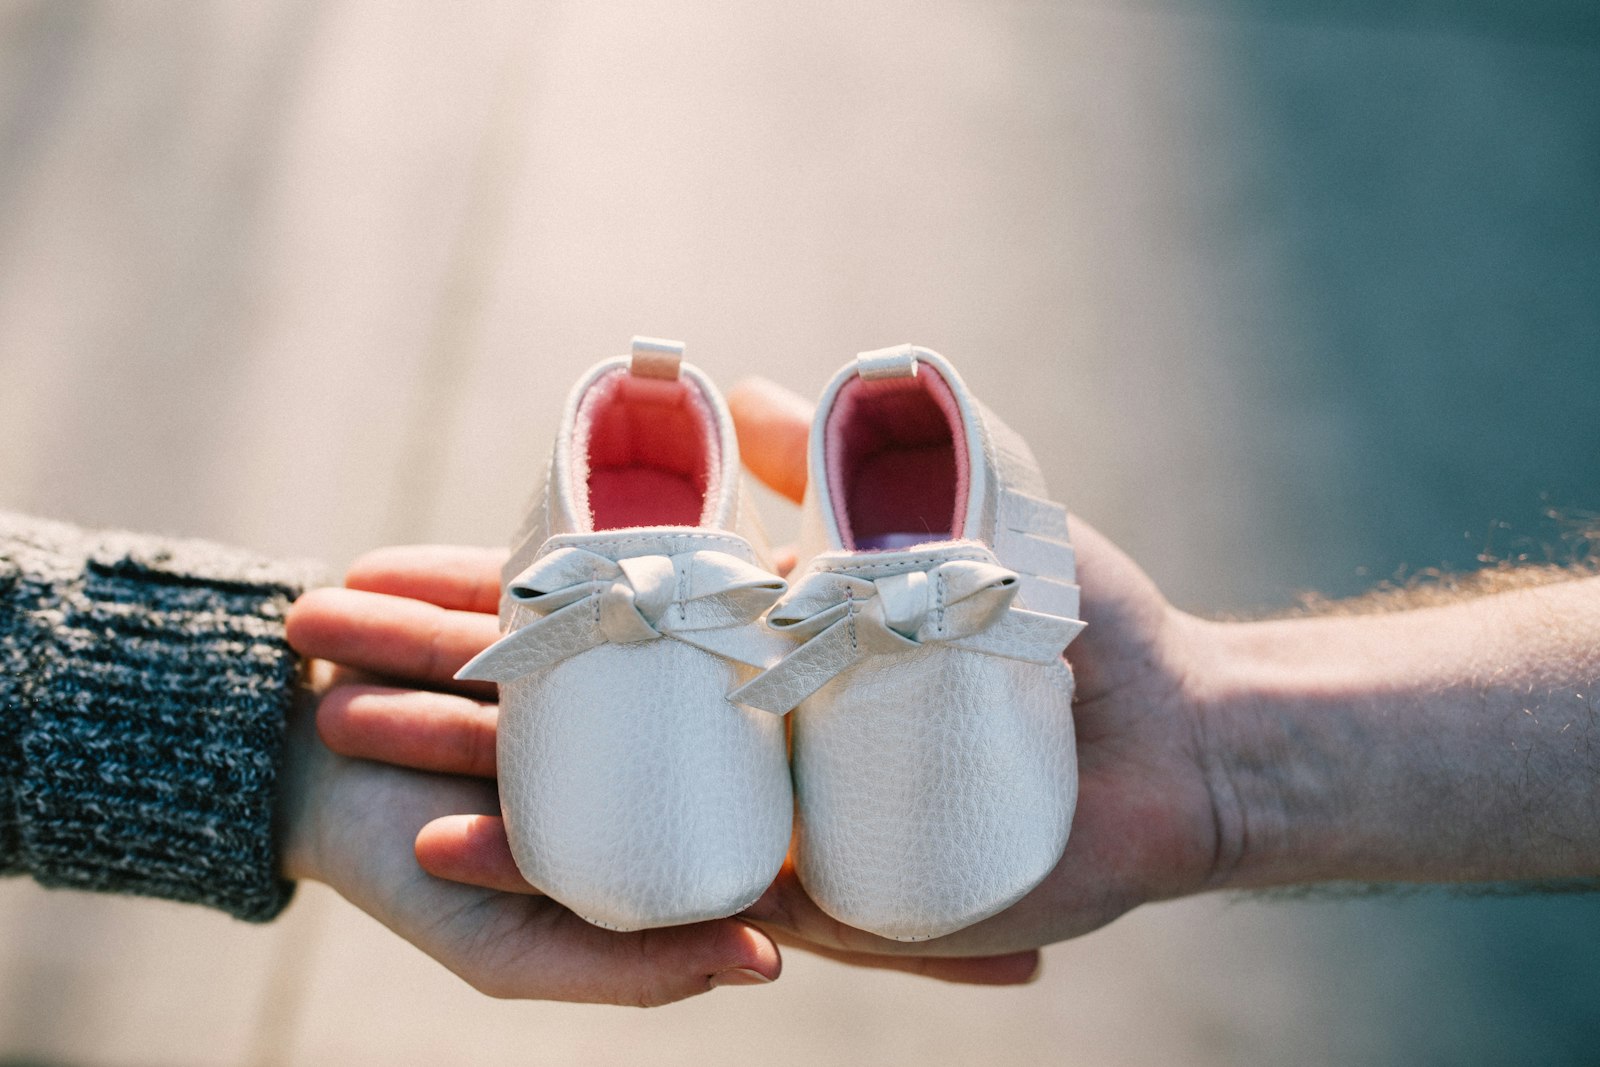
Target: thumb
x,y
773,425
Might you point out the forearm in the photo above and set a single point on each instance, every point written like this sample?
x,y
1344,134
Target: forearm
x,y
1450,744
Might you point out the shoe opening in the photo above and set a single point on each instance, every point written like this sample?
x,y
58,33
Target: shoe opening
x,y
651,450
896,461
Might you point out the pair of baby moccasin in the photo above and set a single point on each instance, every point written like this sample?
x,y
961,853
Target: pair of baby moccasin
x,y
651,654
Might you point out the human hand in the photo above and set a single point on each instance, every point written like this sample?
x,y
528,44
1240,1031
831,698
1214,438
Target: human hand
x,y
1446,743
352,823
381,762
1211,755
1145,826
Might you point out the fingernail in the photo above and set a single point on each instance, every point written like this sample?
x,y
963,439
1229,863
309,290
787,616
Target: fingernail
x,y
739,976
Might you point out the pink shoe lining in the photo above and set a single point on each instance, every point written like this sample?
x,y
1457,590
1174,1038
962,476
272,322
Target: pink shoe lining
x,y
645,452
897,461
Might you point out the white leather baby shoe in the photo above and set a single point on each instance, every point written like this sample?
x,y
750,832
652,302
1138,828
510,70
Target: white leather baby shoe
x,y
933,741
634,792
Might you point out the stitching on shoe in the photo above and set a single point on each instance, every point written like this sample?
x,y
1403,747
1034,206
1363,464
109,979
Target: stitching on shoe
x,y
843,568
687,535
593,537
850,614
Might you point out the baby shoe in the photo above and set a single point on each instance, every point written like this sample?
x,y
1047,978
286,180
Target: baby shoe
x,y
633,791
933,753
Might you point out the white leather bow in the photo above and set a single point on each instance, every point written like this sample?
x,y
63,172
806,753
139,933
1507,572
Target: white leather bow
x,y
582,599
844,619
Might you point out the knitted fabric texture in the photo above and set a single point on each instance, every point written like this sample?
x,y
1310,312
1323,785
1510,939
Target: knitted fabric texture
x,y
144,686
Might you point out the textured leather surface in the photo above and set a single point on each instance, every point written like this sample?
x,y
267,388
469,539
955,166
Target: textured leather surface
x,y
634,792
935,789
936,785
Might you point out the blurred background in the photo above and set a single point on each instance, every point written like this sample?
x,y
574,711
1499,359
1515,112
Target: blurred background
x,y
1289,295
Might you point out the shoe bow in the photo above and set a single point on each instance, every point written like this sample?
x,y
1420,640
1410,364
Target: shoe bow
x,y
843,619
580,599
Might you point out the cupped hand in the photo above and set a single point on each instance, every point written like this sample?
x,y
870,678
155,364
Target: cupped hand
x,y
353,823
1145,827
390,799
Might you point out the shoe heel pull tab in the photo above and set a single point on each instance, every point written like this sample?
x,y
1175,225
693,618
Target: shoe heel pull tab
x,y
653,357
897,362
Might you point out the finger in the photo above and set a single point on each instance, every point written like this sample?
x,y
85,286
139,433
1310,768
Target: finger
x,y
774,425
391,635
471,849
508,944
550,953
1017,968
785,559
414,728
786,910
546,951
458,577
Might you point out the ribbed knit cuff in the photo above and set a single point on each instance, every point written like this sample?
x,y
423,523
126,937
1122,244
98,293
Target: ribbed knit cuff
x,y
144,686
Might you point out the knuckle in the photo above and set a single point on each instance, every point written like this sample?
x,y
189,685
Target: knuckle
x,y
434,656
481,750
652,996
333,716
490,983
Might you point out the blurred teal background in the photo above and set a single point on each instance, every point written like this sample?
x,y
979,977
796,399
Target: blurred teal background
x,y
1289,296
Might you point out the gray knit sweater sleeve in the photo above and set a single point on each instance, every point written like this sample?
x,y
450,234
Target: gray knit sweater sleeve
x,y
143,691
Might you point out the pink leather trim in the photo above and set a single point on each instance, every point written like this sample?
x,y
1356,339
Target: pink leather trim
x,y
645,450
896,460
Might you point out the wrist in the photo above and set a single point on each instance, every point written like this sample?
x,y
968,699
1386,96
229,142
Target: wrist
x,y
1270,751
1439,744
305,761
1330,758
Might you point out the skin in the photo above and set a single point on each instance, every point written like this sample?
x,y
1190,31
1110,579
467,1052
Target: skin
x,y
1456,742
388,777
353,824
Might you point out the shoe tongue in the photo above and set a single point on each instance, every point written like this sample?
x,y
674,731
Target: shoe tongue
x,y
654,541
888,542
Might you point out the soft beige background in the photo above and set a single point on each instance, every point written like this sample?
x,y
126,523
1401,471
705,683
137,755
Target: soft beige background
x,y
1287,295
